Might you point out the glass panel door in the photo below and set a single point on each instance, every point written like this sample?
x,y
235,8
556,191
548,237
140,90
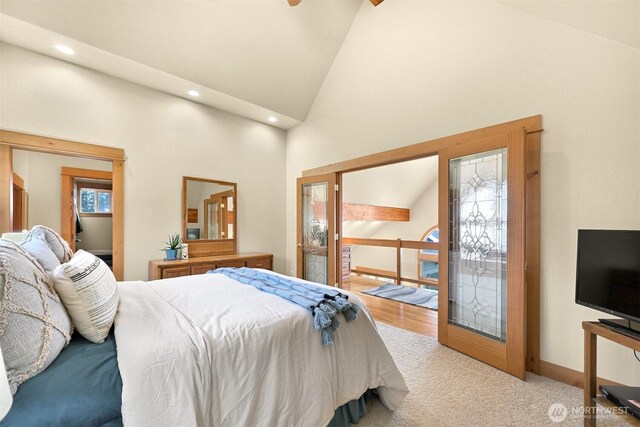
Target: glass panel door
x,y
478,242
482,207
316,229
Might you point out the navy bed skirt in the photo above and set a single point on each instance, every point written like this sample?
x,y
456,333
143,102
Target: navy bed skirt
x,y
83,388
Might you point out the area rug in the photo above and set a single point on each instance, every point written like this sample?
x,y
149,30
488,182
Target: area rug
x,y
426,298
448,388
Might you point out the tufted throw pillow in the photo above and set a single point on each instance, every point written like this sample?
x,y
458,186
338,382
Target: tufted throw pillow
x,y
58,245
88,290
40,250
34,326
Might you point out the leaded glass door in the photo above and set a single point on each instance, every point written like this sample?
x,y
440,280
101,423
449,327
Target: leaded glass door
x,y
482,250
316,229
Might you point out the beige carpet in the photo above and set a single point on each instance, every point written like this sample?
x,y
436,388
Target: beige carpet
x,y
451,389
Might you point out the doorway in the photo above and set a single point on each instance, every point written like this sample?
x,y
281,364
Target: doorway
x,y
386,211
488,219
87,211
11,142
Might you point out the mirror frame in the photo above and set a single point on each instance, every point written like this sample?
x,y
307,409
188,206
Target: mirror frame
x,y
204,247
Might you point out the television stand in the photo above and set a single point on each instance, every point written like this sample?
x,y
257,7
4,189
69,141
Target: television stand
x,y
625,327
591,332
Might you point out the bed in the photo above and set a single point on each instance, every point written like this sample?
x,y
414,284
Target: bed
x,y
207,350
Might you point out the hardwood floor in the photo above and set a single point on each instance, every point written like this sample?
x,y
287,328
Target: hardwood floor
x,y
406,316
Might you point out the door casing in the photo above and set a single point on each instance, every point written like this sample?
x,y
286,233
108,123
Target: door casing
x,y
532,127
10,140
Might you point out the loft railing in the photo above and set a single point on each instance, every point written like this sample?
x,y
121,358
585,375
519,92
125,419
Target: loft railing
x,y
399,244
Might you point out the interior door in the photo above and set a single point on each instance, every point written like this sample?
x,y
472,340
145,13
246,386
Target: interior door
x,y
482,299
316,200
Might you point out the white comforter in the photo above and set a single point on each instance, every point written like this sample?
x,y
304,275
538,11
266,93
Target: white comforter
x,y
208,351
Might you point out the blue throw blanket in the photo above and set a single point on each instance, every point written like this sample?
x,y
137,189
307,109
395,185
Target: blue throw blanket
x,y
324,304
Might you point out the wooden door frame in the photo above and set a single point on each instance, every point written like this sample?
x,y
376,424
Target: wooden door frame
x,y
10,140
489,350
68,219
332,244
533,128
20,206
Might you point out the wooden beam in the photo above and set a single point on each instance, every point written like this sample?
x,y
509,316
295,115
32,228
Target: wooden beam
x,y
25,141
357,212
425,149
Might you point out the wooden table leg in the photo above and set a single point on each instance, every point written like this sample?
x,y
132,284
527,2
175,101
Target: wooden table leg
x,y
590,377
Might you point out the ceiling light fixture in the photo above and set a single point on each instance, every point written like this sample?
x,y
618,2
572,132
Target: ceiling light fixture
x,y
65,49
272,119
194,93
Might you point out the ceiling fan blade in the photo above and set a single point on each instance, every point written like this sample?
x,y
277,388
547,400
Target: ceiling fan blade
x,y
294,2
376,2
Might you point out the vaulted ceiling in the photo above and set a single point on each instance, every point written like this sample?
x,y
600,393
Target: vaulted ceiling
x,y
254,58
264,53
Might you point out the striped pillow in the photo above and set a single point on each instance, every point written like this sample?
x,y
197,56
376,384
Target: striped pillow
x,y
88,291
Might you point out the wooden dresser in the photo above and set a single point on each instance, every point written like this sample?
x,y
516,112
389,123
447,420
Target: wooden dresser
x,y
161,269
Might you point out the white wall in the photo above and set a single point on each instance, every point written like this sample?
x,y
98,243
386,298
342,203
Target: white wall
x,y
43,182
97,233
412,71
47,96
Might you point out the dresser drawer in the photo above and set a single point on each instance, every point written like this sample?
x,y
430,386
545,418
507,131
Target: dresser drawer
x,y
163,269
230,263
168,273
260,263
202,268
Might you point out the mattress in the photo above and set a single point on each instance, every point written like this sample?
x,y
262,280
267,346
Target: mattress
x,y
89,376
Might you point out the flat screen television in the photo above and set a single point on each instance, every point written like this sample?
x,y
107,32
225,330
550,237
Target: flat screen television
x,y
608,276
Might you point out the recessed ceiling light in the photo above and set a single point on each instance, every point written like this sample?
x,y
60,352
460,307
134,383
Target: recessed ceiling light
x,y
65,49
272,119
194,93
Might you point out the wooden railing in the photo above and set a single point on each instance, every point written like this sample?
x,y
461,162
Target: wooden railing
x,y
399,244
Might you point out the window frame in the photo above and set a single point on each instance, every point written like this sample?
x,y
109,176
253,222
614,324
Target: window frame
x,y
96,191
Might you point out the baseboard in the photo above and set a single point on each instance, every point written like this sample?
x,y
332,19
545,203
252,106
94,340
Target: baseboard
x,y
568,375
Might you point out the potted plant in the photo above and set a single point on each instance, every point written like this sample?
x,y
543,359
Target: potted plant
x,y
172,246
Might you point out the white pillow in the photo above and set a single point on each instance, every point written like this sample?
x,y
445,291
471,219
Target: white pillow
x,y
40,250
88,291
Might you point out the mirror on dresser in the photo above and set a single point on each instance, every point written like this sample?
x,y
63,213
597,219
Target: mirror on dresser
x,y
209,216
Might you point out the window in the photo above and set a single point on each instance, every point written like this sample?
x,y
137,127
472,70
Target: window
x,y
428,258
93,201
